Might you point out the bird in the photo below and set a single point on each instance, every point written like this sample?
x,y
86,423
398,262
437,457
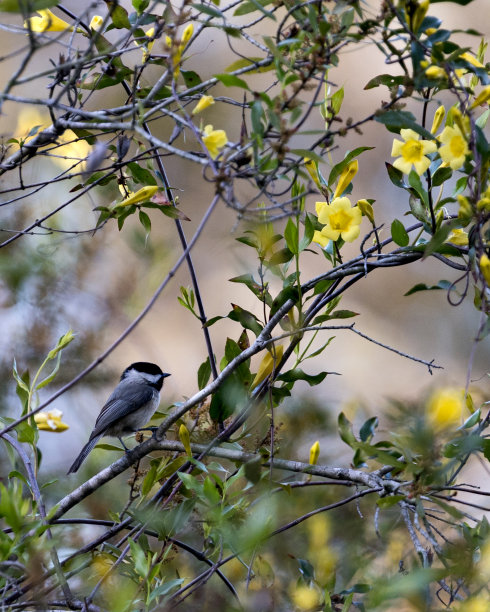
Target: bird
x,y
129,407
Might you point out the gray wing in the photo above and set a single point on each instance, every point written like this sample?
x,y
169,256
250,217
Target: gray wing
x,y
126,398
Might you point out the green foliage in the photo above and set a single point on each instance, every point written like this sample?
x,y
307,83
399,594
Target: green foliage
x,y
234,507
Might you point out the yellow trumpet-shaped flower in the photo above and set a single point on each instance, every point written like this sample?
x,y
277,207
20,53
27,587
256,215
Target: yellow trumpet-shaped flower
x,y
46,22
214,140
185,439
438,117
455,147
310,166
143,194
366,209
446,408
268,364
340,218
482,97
187,33
435,72
204,102
485,267
458,237
50,421
346,176
96,23
314,453
412,152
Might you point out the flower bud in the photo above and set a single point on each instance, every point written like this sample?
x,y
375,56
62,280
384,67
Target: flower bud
x,y
314,453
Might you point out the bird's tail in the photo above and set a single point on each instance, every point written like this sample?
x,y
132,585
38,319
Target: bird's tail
x,y
83,454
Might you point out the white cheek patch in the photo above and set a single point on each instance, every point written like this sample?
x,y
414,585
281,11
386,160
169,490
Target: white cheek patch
x,y
152,378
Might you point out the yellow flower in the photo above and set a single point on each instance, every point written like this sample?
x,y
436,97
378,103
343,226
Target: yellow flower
x,y
50,421
268,364
143,194
314,453
412,152
346,176
47,22
204,102
311,167
471,60
438,117
96,22
305,598
340,218
485,267
455,147
366,209
435,72
186,34
482,97
214,140
458,237
474,604
185,439
430,31
446,407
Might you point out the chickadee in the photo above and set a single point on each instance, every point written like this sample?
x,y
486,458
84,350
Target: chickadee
x,y
130,406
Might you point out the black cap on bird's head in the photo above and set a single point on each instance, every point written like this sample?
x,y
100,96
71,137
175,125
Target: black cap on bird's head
x,y
149,371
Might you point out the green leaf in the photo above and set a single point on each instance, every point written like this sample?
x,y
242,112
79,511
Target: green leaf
x,y
119,16
297,374
443,284
51,376
399,233
245,318
345,430
253,470
395,120
253,5
368,429
141,175
229,398
230,80
208,10
280,257
191,78
386,79
416,183
203,374
164,589
337,169
291,236
388,502
140,5
19,6
439,238
440,176
395,176
145,221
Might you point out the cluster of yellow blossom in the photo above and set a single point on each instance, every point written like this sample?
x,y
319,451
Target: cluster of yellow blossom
x,y
413,151
50,421
177,47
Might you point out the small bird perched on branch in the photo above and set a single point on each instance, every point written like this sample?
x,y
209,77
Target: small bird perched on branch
x,y
130,406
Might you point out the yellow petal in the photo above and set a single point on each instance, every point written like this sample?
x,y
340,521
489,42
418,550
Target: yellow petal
x,y
143,194
346,176
267,365
47,22
320,239
482,97
314,453
485,268
204,102
96,22
438,117
185,439
187,33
